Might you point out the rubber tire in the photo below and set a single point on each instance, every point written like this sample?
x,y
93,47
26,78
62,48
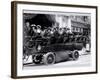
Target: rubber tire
x,y
45,58
35,61
75,55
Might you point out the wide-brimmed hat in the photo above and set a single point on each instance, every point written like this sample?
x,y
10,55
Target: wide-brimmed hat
x,y
38,26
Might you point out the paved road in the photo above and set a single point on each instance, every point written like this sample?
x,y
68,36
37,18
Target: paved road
x,y
84,60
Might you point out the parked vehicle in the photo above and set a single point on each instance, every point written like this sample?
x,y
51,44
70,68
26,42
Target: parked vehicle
x,y
44,51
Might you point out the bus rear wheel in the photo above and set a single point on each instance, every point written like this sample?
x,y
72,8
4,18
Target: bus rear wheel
x,y
75,55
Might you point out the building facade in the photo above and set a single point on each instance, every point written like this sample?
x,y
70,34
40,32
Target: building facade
x,y
75,24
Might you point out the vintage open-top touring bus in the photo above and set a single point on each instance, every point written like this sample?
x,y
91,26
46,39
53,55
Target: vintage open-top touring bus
x,y
55,48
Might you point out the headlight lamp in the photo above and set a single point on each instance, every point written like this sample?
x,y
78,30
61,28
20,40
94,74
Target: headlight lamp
x,y
39,48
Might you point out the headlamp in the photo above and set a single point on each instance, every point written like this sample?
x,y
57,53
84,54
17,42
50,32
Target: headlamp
x,y
39,48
